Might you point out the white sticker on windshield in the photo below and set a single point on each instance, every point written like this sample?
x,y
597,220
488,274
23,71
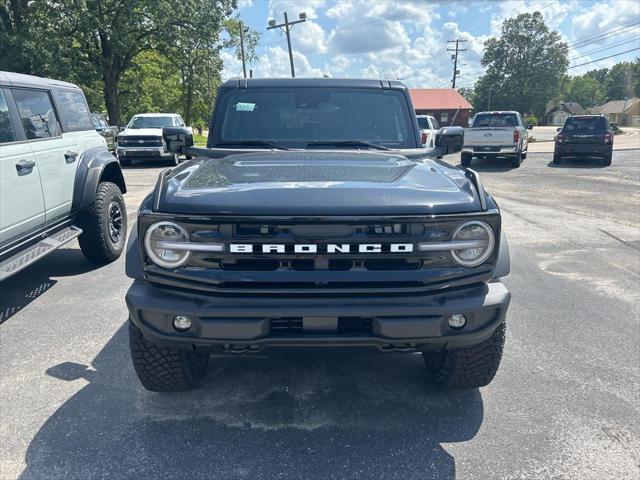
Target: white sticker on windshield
x,y
245,107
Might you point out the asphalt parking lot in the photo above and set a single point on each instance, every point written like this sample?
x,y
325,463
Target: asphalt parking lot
x,y
565,403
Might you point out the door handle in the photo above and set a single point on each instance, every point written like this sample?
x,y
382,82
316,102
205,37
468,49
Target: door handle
x,y
70,156
25,166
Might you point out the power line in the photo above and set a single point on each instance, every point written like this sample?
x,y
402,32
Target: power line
x,y
604,48
604,58
610,33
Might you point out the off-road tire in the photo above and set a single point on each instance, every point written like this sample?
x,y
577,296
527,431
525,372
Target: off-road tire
x,y
469,367
465,159
557,159
98,242
606,160
516,160
125,162
165,369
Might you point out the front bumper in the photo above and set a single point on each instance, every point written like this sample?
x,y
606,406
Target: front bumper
x,y
401,322
143,152
482,150
583,149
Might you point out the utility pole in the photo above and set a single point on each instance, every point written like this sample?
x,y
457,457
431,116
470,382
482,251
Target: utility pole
x,y
244,66
456,72
302,17
489,106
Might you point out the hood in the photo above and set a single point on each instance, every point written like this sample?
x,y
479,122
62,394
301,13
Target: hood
x,y
141,132
317,183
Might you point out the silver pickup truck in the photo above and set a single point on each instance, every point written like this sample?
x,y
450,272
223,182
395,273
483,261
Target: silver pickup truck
x,y
495,134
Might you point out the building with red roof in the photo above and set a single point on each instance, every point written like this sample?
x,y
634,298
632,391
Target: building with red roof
x,y
445,104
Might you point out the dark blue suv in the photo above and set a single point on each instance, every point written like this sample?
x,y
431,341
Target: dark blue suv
x,y
584,135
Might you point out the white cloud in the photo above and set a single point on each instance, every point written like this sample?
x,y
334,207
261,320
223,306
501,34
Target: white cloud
x,y
245,3
275,63
231,66
312,40
365,38
339,66
408,38
294,7
603,18
371,71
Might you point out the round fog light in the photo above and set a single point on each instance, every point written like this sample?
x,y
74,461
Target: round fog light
x,y
181,323
457,321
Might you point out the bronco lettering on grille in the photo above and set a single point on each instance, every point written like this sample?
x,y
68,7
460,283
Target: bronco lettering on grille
x,y
312,248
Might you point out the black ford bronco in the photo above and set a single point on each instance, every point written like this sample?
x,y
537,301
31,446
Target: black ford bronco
x,y
315,218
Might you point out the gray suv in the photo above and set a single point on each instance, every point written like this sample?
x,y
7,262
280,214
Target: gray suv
x,y
58,181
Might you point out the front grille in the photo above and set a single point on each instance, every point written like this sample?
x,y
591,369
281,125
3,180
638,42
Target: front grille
x,y
295,326
323,270
138,141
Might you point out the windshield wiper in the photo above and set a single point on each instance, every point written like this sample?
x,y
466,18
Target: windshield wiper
x,y
250,143
347,143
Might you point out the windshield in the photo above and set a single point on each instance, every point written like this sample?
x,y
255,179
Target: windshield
x,y
150,122
294,117
585,124
495,120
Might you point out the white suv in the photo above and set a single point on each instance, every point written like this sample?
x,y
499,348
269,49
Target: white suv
x,y
142,138
58,181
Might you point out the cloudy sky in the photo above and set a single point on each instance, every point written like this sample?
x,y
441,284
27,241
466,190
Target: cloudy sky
x,y
407,39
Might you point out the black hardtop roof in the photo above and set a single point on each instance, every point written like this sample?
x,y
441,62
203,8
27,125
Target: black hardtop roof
x,y
313,82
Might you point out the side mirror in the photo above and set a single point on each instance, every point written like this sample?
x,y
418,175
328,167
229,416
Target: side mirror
x,y
177,139
529,126
450,139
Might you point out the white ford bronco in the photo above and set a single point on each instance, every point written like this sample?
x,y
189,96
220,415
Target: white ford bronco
x,y
58,181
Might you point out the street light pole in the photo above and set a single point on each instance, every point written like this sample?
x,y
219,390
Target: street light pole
x,y
302,17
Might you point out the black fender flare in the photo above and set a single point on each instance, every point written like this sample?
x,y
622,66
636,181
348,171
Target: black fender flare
x,y
503,264
95,165
133,262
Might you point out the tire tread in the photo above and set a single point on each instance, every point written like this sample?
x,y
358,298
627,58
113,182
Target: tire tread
x,y
164,369
469,367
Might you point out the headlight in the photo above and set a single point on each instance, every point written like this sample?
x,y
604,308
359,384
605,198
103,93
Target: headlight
x,y
157,243
478,234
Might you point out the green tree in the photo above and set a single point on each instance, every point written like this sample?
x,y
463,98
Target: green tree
x,y
251,39
152,84
621,81
585,90
111,33
467,93
599,75
524,66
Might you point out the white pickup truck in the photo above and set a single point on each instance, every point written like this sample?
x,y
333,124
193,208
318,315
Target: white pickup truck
x,y
495,134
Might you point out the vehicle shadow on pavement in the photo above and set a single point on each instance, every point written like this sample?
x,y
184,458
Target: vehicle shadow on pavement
x,y
287,415
578,162
26,286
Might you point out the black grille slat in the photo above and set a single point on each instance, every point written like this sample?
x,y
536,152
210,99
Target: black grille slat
x,y
294,326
